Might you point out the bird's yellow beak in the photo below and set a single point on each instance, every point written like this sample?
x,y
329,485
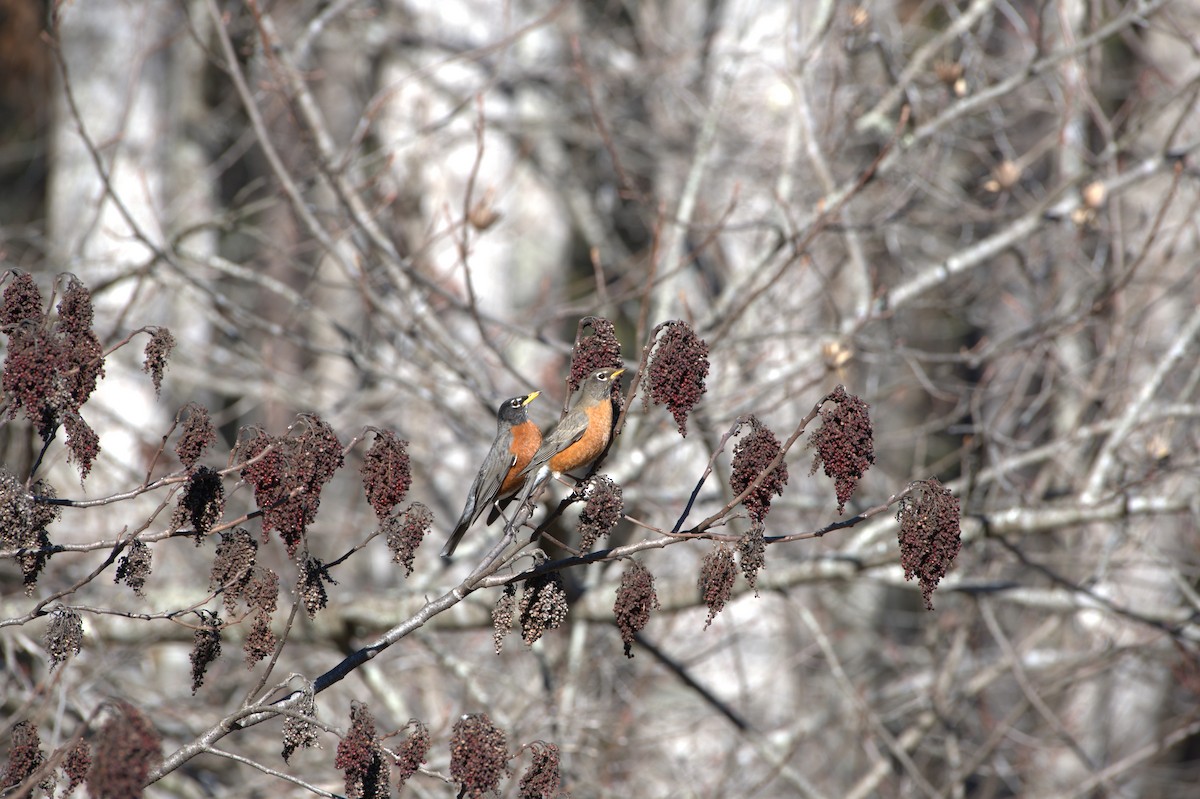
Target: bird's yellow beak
x,y
617,374
530,397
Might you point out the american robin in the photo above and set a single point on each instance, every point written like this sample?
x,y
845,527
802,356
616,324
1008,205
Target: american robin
x,y
500,476
584,432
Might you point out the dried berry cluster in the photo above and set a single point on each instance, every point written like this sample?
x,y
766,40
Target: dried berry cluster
x,y
133,568
236,574
930,536
25,757
127,747
22,301
675,377
844,443
635,599
233,565
83,443
310,585
262,595
158,350
202,502
717,574
601,512
405,533
386,473
197,436
51,368
299,733
502,615
361,757
64,636
76,764
206,646
600,350
44,511
752,455
412,752
543,779
83,350
543,606
478,755
23,521
266,466
289,477
752,554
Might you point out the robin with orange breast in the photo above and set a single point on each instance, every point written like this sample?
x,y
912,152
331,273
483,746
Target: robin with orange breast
x,y
501,475
583,434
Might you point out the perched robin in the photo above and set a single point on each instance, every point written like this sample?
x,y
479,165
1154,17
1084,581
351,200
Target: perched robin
x,y
584,433
500,476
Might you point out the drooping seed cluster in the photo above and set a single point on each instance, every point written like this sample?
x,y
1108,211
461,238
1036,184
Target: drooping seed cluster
x,y
237,552
158,351
600,350
312,576
206,647
24,516
262,596
717,573
543,779
133,568
543,606
635,599
197,436
25,756
752,554
126,748
300,733
360,756
202,503
844,443
676,373
412,752
503,613
478,755
406,532
930,535
289,477
751,457
52,365
386,472
601,512
64,636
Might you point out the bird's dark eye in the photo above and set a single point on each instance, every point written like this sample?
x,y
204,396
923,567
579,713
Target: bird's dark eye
x,y
515,403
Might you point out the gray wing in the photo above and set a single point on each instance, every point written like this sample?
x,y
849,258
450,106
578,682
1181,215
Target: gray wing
x,y
483,490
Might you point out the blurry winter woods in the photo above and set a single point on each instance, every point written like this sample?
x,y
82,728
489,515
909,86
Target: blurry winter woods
x,y
979,217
